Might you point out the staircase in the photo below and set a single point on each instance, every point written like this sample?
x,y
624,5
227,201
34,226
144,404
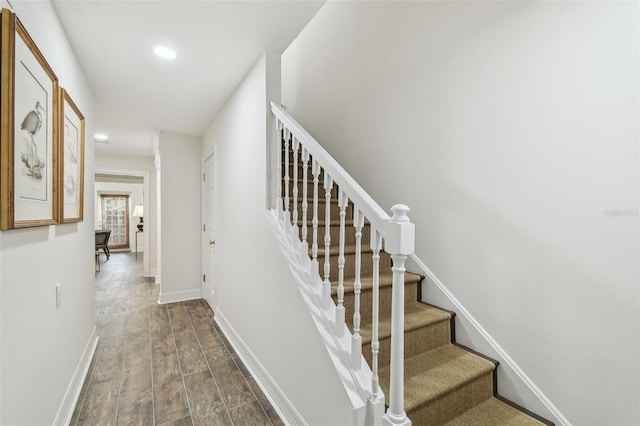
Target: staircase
x,y
442,382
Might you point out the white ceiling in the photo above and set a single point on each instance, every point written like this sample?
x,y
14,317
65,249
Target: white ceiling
x,y
216,42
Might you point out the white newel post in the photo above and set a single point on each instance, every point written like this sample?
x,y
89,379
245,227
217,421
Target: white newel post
x,y
399,243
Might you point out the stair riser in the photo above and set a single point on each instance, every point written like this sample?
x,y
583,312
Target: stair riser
x,y
301,168
366,302
335,209
290,151
366,268
321,192
334,232
439,411
415,342
291,159
300,182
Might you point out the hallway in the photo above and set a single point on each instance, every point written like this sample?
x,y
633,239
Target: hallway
x,y
162,364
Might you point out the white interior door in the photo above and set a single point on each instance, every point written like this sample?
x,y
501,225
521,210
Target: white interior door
x,y
209,233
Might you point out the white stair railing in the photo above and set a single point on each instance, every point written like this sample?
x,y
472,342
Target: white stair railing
x,y
394,234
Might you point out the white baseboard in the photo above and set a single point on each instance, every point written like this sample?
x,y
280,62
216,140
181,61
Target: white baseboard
x,y
70,399
278,399
502,356
179,296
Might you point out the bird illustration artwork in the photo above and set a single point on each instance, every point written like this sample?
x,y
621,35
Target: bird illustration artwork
x,y
71,154
69,186
70,165
29,155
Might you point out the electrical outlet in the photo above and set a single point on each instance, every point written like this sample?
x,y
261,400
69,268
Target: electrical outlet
x,y
58,295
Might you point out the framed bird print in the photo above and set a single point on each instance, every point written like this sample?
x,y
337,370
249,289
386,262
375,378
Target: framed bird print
x,y
71,149
29,176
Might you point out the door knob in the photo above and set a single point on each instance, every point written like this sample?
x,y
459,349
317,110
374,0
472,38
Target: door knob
x,y
212,242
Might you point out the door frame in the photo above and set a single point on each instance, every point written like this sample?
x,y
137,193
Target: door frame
x,y
213,295
144,174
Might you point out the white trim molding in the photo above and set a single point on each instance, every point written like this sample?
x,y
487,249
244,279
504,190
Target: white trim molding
x,y
179,296
506,362
71,396
145,174
278,399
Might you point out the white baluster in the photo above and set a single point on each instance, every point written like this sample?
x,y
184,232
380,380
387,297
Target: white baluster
x,y
287,221
305,204
296,233
343,201
315,267
399,243
279,168
376,245
356,338
328,183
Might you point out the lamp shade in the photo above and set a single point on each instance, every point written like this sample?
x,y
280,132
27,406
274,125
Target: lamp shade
x,y
138,211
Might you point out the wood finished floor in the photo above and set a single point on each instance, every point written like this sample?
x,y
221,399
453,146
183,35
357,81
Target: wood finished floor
x,y
162,364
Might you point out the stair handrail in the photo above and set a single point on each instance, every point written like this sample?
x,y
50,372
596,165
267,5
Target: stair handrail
x,y
397,232
372,210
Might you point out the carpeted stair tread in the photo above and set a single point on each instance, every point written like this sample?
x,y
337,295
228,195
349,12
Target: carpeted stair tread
x,y
300,181
416,315
309,180
348,249
433,374
386,280
321,199
333,222
494,412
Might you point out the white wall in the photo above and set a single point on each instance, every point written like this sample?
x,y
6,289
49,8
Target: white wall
x,y
181,217
257,295
135,193
158,192
41,346
511,130
142,166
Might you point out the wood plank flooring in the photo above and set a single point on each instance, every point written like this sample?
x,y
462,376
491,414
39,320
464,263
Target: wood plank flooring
x,y
162,364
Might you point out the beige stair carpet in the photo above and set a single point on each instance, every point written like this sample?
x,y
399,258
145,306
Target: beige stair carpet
x,y
444,382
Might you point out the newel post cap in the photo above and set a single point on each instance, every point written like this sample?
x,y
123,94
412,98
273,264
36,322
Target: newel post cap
x,y
400,213
399,232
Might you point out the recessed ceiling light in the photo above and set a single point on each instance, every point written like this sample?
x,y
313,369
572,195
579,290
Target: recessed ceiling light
x,y
165,52
101,138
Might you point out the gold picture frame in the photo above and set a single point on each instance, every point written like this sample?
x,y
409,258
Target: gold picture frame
x,y
71,154
29,156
